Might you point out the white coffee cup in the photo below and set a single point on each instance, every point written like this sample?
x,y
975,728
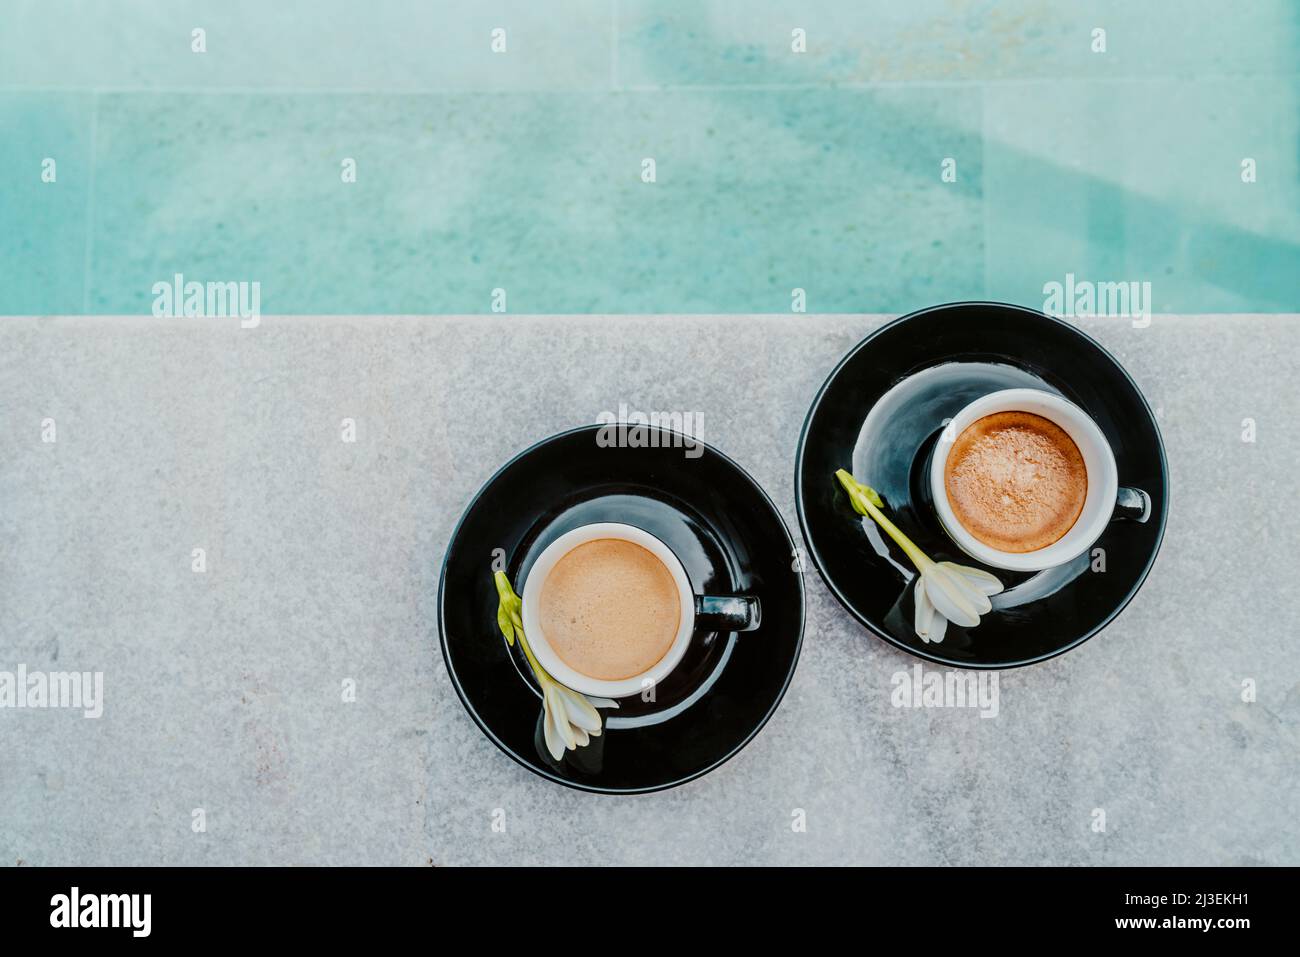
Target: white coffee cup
x,y
1098,460
728,613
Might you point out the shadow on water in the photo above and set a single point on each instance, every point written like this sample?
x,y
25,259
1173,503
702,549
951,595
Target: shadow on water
x,y
1119,224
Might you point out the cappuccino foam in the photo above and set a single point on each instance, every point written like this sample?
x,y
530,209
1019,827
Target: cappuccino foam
x,y
609,609
1016,481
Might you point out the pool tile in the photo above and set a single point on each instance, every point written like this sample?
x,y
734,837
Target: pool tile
x,y
729,42
542,195
379,45
43,224
1143,182
250,188
838,193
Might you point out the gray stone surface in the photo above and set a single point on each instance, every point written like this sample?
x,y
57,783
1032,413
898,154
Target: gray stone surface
x,y
223,689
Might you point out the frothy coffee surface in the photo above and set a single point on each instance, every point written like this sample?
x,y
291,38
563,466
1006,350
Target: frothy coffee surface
x,y
610,609
1016,481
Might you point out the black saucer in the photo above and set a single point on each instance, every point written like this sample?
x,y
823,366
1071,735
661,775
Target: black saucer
x,y
879,414
729,537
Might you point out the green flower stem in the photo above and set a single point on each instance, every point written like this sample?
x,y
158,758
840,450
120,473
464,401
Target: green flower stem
x,y
866,501
538,670
512,608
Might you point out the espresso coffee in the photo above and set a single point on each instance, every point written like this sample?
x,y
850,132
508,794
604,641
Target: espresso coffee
x,y
609,609
1016,481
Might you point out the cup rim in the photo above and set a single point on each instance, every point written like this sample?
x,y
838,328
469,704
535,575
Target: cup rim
x,y
1099,503
547,657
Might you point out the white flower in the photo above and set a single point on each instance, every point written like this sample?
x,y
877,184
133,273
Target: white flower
x,y
569,719
945,591
948,592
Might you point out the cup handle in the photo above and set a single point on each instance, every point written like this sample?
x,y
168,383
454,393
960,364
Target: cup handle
x,y
1131,505
727,612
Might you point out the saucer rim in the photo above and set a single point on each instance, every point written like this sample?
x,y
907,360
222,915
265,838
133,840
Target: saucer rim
x,y
928,655
547,773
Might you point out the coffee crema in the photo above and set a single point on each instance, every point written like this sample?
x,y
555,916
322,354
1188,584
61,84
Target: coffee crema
x,y
1016,481
609,609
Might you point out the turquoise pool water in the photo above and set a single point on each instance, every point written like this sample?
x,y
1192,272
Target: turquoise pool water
x,y
524,170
